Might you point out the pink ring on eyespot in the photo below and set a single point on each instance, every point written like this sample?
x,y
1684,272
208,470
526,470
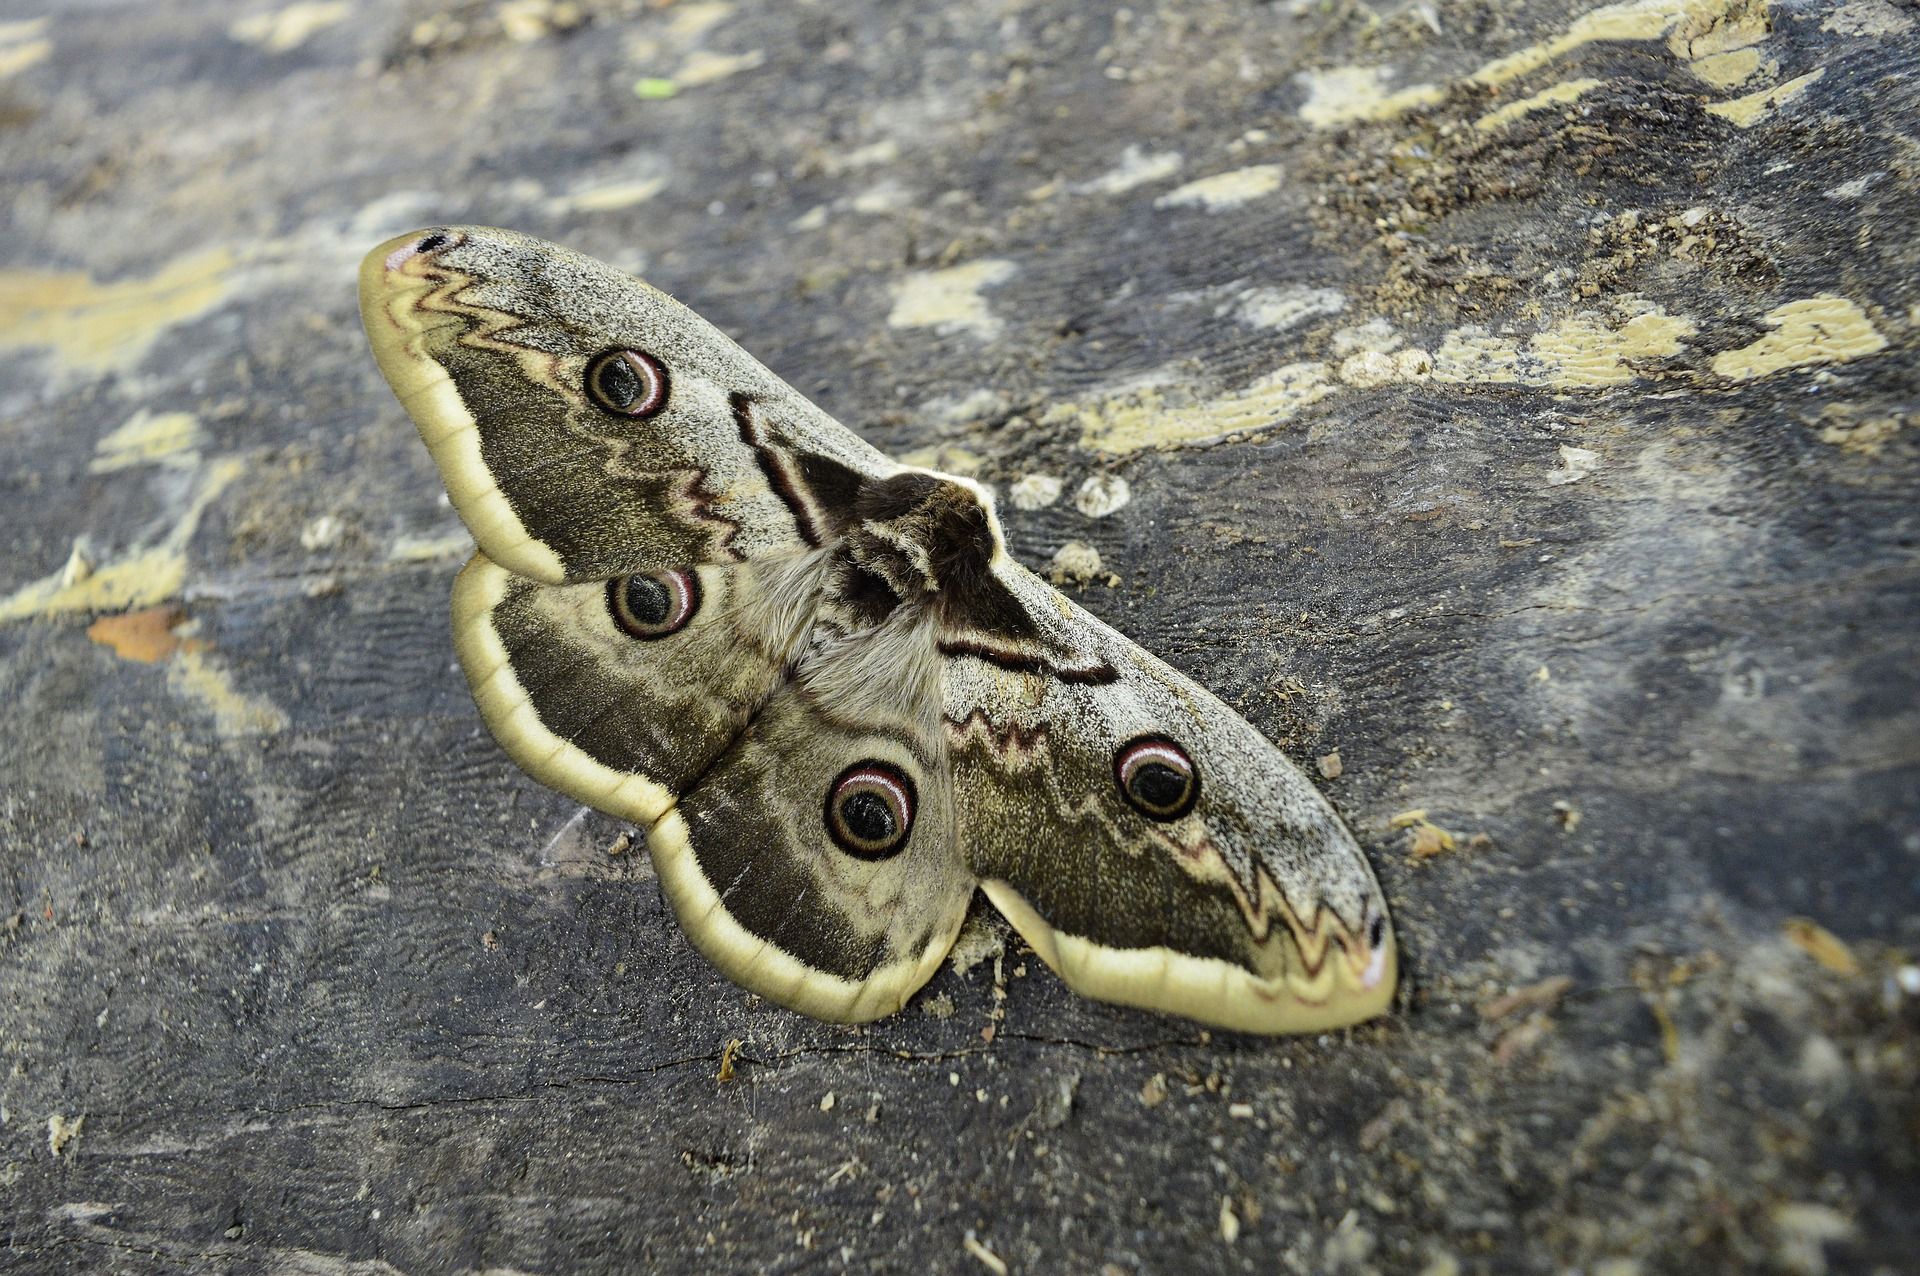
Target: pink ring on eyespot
x,y
653,605
1157,777
869,810
629,383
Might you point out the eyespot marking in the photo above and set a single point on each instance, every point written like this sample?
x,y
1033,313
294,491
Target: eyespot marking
x,y
1156,777
629,383
653,606
869,810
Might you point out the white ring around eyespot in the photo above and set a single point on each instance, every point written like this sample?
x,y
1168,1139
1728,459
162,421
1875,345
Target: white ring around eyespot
x,y
1153,751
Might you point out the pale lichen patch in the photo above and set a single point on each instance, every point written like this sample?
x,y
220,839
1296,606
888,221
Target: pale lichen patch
x,y
196,676
525,21
1818,330
1372,368
1136,168
425,549
1034,491
95,326
691,21
1556,95
1280,308
888,195
1614,23
62,1130
1375,334
149,438
979,404
1575,464
1102,494
140,579
1869,18
1153,416
1724,70
283,30
703,66
945,458
1074,563
1225,190
1754,107
884,151
22,45
1582,352
1696,29
610,196
1863,438
949,300
1349,94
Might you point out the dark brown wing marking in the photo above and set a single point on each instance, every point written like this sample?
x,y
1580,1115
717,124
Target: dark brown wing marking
x,y
816,491
1098,674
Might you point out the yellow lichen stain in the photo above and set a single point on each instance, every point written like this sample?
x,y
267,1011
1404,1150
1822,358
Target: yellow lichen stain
x,y
1754,107
424,549
950,299
1822,329
1136,168
1581,352
1724,70
1821,944
705,67
141,579
282,30
1614,23
1863,438
1351,94
149,438
194,675
600,199
22,46
1566,91
526,21
1585,351
947,458
691,21
96,326
1225,190
1711,29
152,635
1150,417
1697,28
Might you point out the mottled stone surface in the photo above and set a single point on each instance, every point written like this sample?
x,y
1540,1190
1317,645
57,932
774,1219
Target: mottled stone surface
x,y
1516,398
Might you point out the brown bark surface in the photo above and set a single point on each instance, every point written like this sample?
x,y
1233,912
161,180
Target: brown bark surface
x,y
1515,401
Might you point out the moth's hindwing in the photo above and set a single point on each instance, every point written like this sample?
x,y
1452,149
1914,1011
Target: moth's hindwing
x,y
821,683
619,719
764,864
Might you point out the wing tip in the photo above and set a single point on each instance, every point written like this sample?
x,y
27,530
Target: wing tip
x,y
1204,989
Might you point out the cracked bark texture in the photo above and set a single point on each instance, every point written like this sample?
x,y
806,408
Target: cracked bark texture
x,y
1516,399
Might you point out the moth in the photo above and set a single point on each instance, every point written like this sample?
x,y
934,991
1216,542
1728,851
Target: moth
x,y
819,682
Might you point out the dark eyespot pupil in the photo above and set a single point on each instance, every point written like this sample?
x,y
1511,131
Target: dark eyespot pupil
x,y
618,383
867,816
649,601
431,242
1377,932
1158,785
